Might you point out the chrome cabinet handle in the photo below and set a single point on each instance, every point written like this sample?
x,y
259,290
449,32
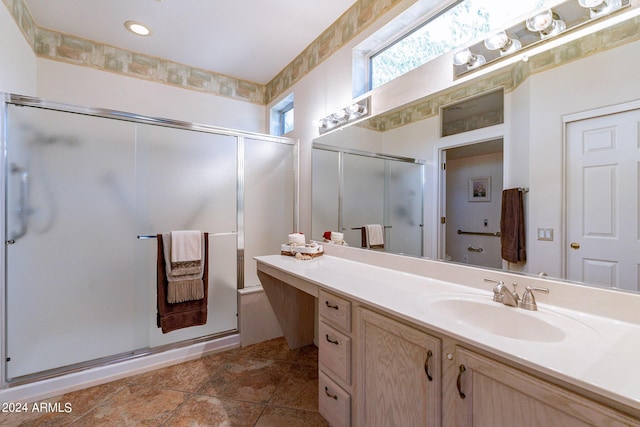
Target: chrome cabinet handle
x,y
426,365
459,381
331,395
335,307
332,341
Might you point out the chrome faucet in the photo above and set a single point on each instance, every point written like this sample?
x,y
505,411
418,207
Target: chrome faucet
x,y
503,295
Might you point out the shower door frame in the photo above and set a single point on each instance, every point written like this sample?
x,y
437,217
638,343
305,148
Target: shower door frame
x,y
28,101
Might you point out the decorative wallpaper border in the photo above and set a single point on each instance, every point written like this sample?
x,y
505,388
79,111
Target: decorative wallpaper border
x,y
356,19
78,51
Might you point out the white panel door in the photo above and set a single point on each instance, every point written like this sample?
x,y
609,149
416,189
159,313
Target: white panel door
x,y
602,200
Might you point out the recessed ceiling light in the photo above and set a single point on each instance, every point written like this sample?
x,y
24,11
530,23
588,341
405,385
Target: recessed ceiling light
x,y
137,28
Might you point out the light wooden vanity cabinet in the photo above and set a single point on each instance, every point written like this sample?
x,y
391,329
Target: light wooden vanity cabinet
x,y
484,392
399,377
334,359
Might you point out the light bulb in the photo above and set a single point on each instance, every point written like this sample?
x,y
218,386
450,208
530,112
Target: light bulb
x,y
544,23
462,57
501,41
600,7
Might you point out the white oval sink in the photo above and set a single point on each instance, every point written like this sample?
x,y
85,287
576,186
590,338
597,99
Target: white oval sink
x,y
476,311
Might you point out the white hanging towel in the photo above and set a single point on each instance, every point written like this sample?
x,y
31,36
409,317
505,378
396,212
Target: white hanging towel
x,y
375,236
186,245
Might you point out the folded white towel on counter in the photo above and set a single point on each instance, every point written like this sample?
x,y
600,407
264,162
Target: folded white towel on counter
x,y
375,235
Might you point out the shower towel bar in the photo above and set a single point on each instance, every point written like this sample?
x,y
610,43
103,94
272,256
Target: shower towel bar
x,y
149,236
479,233
360,228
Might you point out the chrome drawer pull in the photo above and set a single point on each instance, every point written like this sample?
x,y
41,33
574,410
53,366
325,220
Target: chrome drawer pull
x,y
332,341
335,307
331,395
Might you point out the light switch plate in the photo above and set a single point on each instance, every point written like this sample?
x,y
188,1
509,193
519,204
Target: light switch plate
x,y
545,234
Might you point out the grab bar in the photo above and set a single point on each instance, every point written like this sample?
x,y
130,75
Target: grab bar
x,y
154,236
480,233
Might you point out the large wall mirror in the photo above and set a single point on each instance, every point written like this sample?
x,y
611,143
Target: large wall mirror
x,y
569,138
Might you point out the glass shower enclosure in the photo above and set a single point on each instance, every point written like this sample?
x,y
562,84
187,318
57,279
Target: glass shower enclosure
x,y
353,188
85,193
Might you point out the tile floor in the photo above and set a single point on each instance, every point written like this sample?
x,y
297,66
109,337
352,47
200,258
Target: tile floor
x,y
261,385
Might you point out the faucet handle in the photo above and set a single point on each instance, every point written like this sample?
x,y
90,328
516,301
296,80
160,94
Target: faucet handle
x,y
497,294
515,292
528,301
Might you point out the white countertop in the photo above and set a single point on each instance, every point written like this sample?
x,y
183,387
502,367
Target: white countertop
x,y
599,354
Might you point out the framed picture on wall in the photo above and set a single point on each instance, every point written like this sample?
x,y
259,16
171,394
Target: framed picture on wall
x,y
480,189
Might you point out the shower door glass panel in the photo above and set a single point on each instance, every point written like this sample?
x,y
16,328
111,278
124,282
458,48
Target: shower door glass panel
x,y
363,200
187,180
405,207
268,209
71,211
325,180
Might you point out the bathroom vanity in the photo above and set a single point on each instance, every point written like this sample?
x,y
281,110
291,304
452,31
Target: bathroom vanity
x,y
408,341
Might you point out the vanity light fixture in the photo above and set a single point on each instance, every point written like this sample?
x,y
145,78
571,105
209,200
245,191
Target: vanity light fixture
x,y
465,57
344,115
500,41
541,26
137,28
600,7
546,23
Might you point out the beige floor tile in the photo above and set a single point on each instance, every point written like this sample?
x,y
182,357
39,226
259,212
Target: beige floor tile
x,y
135,405
274,416
266,384
211,411
253,380
299,389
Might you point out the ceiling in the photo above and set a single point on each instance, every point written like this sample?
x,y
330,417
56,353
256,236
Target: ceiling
x,y
246,39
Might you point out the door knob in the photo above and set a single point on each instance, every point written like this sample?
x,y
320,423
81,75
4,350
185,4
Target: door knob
x,y
575,245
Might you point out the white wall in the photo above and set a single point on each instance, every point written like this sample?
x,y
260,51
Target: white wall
x,y
17,60
85,86
600,80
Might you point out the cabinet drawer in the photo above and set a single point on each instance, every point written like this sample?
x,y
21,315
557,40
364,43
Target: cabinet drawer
x,y
334,404
335,351
335,310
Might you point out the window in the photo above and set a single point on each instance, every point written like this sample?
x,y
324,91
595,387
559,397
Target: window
x,y
463,22
282,117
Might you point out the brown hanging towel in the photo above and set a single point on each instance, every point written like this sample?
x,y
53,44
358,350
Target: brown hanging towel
x,y
183,314
512,236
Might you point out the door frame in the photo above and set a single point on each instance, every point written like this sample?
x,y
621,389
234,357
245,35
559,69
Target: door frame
x,y
566,121
479,136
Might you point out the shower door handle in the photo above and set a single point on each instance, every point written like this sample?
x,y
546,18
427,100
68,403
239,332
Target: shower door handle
x,y
23,202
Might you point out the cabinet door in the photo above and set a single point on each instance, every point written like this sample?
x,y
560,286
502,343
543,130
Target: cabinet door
x,y
398,380
489,393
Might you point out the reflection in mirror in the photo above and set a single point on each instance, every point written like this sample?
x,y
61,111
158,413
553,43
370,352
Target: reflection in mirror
x,y
472,190
354,189
545,96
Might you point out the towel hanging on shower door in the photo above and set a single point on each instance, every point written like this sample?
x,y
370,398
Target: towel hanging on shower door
x,y
183,314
